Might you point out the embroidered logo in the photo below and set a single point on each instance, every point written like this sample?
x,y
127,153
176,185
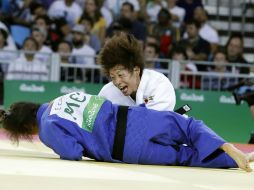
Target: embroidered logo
x,y
148,99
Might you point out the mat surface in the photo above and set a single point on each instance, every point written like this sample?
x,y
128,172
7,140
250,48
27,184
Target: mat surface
x,y
33,166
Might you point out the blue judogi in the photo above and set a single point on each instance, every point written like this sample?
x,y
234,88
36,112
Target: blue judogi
x,y
152,137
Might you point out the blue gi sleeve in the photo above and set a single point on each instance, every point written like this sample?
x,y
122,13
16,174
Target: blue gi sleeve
x,y
63,143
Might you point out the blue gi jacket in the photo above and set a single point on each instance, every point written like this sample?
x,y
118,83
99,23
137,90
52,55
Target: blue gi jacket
x,y
79,124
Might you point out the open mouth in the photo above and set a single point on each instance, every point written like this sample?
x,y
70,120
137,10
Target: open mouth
x,y
124,89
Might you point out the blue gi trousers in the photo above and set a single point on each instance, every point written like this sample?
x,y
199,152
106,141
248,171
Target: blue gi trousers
x,y
168,138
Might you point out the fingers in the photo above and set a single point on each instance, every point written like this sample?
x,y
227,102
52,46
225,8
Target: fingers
x,y
251,157
247,168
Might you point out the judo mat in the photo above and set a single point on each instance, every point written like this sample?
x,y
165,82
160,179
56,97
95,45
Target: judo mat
x,y
33,166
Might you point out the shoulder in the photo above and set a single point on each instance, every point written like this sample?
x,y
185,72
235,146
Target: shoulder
x,y
155,82
154,76
109,89
88,49
56,4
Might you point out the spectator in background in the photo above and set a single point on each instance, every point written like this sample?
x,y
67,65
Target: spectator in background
x,y
217,80
220,61
27,67
82,53
38,9
44,22
177,13
165,32
61,31
7,53
23,12
4,40
64,50
10,42
197,48
115,6
20,12
92,39
189,7
92,10
43,51
152,39
67,9
234,51
130,23
153,8
206,31
47,3
151,53
105,12
179,56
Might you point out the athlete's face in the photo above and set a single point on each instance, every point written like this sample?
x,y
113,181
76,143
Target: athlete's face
x,y
127,81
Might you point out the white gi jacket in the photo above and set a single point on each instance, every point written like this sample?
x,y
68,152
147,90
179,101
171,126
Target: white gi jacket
x,y
155,90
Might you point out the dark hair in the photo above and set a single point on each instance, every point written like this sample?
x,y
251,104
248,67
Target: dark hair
x,y
20,120
35,5
97,13
5,35
64,42
193,22
179,49
87,18
32,39
43,17
122,49
220,50
131,6
155,46
235,35
164,13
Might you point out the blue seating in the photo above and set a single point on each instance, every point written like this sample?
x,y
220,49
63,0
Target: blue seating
x,y
5,6
19,33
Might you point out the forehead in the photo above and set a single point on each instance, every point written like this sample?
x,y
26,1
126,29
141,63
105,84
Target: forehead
x,y
117,68
236,41
36,33
150,48
29,42
220,54
63,45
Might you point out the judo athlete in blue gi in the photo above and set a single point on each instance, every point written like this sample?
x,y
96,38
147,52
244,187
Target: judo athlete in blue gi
x,y
79,124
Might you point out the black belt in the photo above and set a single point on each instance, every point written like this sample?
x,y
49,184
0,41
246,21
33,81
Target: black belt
x,y
184,109
119,140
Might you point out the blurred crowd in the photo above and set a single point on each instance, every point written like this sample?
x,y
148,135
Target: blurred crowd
x,y
77,29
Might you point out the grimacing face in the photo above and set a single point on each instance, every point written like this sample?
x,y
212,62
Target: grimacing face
x,y
125,80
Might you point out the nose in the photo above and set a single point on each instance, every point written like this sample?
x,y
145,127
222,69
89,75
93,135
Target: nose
x,y
117,81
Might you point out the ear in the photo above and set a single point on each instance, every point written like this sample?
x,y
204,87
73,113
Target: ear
x,y
136,70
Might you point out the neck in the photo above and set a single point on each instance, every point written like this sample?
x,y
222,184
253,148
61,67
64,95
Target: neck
x,y
133,96
29,57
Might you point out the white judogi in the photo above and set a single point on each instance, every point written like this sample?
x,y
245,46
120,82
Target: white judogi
x,y
155,90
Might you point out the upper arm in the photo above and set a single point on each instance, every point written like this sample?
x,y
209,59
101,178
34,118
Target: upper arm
x,y
164,97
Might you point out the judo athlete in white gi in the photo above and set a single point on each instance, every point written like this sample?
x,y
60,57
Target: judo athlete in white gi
x,y
79,124
123,62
